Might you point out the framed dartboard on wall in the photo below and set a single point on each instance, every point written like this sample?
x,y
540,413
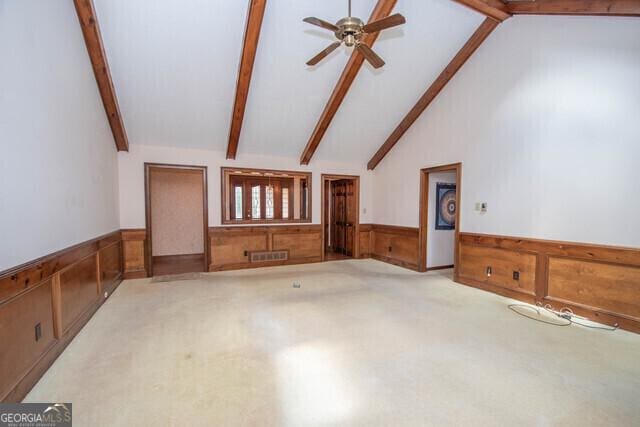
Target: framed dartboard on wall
x,y
445,206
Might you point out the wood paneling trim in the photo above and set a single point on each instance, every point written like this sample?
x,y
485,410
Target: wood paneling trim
x,y
576,7
585,251
60,292
395,229
383,9
479,36
93,40
230,246
595,281
23,277
134,250
249,49
494,9
395,244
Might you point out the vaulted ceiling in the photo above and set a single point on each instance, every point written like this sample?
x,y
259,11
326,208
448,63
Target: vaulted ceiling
x,y
174,66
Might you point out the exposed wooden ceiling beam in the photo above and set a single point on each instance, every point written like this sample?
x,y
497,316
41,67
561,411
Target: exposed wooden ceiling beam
x,y
491,8
249,49
576,7
383,9
483,31
93,40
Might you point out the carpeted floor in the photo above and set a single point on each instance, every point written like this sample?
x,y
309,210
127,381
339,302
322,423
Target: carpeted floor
x,y
359,343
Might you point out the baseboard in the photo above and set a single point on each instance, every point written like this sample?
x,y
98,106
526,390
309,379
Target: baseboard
x,y
440,267
396,262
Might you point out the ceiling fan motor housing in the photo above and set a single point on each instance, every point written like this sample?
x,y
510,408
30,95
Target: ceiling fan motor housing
x,y
350,30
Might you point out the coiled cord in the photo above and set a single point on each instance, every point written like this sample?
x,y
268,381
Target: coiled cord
x,y
566,314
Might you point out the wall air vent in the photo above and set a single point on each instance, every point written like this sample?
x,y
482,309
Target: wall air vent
x,y
266,256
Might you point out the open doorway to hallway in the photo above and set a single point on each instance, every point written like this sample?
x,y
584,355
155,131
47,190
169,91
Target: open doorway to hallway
x,y
340,216
177,219
439,216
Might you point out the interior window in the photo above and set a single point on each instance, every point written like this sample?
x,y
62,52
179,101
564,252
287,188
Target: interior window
x,y
285,203
255,202
250,196
238,202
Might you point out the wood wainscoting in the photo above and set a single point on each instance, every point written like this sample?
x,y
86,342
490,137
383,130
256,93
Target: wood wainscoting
x,y
390,243
45,303
599,282
230,246
134,250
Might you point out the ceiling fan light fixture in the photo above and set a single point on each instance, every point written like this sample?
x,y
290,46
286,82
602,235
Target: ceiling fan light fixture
x,y
349,30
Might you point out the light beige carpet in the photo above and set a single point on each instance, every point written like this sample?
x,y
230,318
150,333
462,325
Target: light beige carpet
x,y
359,343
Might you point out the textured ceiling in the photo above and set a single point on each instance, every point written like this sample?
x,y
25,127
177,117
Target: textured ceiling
x,y
174,65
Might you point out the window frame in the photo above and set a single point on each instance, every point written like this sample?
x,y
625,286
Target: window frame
x,y
245,178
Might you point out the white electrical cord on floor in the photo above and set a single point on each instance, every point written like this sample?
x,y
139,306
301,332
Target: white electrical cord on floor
x,y
567,316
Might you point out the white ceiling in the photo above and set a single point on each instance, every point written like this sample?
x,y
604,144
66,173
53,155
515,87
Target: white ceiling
x,y
174,65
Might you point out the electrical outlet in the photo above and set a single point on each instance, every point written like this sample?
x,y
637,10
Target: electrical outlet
x,y
483,207
489,271
478,206
106,294
38,331
296,285
516,275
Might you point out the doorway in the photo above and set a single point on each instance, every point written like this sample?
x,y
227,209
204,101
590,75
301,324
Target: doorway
x,y
340,217
177,219
440,191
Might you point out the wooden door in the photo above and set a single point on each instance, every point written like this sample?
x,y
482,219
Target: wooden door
x,y
349,217
338,215
342,216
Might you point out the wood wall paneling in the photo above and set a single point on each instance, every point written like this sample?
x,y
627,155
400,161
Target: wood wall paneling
x,y
395,245
60,293
230,246
78,290
134,242
475,260
365,240
110,265
233,248
18,319
595,285
301,245
595,281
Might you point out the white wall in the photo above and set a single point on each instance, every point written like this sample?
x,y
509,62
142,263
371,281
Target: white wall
x,y
58,169
131,172
440,243
545,118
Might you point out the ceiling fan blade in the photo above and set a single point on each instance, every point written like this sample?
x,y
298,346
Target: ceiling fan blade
x,y
384,23
320,23
370,55
319,57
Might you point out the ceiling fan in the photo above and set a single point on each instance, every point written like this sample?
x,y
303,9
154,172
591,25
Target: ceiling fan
x,y
350,30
